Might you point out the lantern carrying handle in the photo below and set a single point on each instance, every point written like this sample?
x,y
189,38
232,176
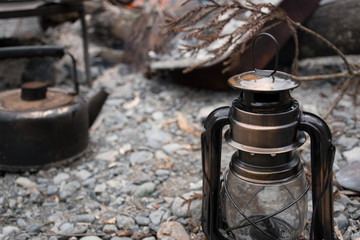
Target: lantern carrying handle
x,y
277,51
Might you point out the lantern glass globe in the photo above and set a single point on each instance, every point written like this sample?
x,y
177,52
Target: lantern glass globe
x,y
249,209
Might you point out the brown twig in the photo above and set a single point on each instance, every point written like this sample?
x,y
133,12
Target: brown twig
x,y
194,196
327,76
349,67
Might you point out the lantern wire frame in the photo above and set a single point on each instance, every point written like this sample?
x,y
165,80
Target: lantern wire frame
x,y
253,223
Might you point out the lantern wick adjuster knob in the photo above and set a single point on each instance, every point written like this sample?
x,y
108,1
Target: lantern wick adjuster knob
x,y
277,51
32,91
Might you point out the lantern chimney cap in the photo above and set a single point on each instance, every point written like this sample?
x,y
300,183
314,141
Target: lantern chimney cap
x,y
263,81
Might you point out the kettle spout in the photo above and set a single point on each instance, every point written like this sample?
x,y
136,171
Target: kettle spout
x,y
95,104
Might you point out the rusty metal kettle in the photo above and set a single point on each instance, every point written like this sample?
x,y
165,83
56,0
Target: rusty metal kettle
x,y
42,126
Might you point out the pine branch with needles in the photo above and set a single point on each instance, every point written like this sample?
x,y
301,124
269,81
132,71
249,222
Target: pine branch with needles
x,y
204,26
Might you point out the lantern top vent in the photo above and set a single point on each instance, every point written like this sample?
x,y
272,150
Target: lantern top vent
x,y
263,81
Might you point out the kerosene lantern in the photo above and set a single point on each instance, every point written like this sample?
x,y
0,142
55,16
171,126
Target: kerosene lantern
x,y
263,193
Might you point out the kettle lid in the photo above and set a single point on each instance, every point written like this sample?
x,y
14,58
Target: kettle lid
x,y
34,96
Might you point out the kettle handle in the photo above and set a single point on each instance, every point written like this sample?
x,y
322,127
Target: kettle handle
x,y
322,157
31,51
211,140
40,51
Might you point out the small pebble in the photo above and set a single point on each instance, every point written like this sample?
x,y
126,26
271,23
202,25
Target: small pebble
x,y
25,182
84,218
110,228
142,220
342,222
156,216
145,189
140,157
90,238
51,190
68,189
125,222
338,207
60,177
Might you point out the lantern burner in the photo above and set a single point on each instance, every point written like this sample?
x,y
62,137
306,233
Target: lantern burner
x,y
278,228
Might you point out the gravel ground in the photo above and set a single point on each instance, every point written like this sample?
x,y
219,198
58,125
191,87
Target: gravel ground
x,y
141,165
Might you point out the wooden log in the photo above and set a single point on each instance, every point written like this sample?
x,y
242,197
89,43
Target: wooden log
x,y
337,21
